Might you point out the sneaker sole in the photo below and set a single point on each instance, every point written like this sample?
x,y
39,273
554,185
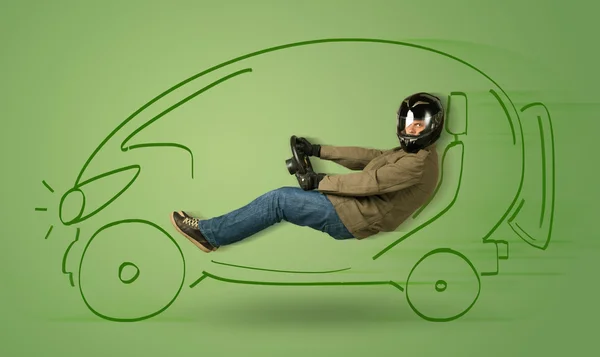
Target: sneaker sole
x,y
203,248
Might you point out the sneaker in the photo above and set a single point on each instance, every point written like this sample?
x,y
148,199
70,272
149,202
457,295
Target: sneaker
x,y
188,226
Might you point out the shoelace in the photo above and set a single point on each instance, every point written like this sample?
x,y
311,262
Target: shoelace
x,y
190,221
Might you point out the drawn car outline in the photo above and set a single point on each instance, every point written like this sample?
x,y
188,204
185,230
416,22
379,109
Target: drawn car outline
x,y
538,237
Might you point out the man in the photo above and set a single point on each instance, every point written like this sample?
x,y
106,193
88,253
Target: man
x,y
387,187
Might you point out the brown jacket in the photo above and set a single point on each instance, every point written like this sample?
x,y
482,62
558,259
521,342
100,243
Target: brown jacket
x,y
390,186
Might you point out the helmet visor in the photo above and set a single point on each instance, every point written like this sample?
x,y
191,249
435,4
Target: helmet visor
x,y
410,125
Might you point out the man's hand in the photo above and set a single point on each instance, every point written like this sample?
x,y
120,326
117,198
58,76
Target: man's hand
x,y
310,180
305,147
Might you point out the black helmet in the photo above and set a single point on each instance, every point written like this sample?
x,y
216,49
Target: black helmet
x,y
420,121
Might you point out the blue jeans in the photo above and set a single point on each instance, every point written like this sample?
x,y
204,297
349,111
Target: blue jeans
x,y
292,204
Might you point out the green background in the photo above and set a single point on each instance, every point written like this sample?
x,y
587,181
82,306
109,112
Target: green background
x,y
73,71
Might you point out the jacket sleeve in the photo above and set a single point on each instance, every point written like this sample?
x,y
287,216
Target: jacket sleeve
x,y
351,157
388,178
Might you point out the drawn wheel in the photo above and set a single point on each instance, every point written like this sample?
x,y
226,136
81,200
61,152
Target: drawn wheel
x,y
442,286
130,270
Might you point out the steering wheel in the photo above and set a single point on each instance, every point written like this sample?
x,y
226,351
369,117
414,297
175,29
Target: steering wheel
x,y
299,163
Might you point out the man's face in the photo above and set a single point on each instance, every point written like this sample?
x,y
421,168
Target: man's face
x,y
415,127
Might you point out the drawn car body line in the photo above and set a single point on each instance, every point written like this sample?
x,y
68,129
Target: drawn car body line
x,y
66,254
280,270
206,274
498,256
522,136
